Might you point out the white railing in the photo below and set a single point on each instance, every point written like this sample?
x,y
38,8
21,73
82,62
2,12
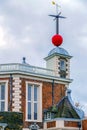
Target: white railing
x,y
25,68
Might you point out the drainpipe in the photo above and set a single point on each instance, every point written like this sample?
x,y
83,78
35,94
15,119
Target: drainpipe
x,y
10,102
53,92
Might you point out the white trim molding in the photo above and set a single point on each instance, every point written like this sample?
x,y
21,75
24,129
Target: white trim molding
x,y
39,109
6,93
16,94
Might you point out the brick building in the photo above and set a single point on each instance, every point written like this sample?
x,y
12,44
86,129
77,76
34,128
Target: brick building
x,y
42,94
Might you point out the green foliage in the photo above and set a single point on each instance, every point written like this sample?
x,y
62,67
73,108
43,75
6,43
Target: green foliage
x,y
13,119
54,109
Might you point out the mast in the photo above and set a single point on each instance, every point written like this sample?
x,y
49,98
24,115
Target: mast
x,y
57,39
57,16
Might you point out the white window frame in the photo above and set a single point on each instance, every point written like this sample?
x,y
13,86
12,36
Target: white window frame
x,y
39,110
6,93
47,116
64,68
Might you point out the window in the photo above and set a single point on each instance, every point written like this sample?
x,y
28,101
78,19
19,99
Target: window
x,y
62,68
33,101
47,116
62,65
3,97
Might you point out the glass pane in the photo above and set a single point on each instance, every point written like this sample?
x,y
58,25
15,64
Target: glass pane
x,y
2,92
62,65
29,93
35,93
48,115
29,110
2,106
35,111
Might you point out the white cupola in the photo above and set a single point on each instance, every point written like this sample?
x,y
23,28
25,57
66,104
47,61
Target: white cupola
x,y
58,59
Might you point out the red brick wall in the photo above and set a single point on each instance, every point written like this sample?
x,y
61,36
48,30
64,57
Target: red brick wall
x,y
59,91
46,95
70,124
84,124
51,124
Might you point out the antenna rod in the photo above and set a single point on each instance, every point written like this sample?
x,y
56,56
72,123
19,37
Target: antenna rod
x,y
57,16
57,25
57,20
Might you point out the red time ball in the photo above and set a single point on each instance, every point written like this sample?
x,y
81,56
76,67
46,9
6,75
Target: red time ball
x,y
57,40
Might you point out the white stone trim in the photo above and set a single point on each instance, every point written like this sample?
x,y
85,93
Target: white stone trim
x,y
6,93
60,124
59,81
16,99
68,68
16,94
45,125
16,77
39,78
16,88
16,105
39,102
16,102
16,83
17,91
16,109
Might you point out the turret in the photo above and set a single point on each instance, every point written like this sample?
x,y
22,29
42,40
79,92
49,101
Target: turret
x,y
58,59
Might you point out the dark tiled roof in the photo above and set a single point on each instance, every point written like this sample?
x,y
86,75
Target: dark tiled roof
x,y
66,109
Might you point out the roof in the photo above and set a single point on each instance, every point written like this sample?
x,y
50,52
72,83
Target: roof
x,y
58,50
26,69
78,110
66,109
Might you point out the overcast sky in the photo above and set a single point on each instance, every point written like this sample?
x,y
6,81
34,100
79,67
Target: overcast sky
x,y
26,30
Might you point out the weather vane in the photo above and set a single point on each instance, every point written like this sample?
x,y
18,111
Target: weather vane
x,y
57,39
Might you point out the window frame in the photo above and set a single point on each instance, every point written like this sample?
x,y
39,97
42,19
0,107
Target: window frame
x,y
39,101
5,82
47,116
64,66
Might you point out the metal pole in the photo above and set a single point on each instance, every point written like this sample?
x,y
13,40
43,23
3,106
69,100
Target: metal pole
x,y
57,16
53,92
57,25
57,20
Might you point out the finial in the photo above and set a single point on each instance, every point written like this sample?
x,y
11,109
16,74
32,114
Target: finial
x,y
57,39
24,60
